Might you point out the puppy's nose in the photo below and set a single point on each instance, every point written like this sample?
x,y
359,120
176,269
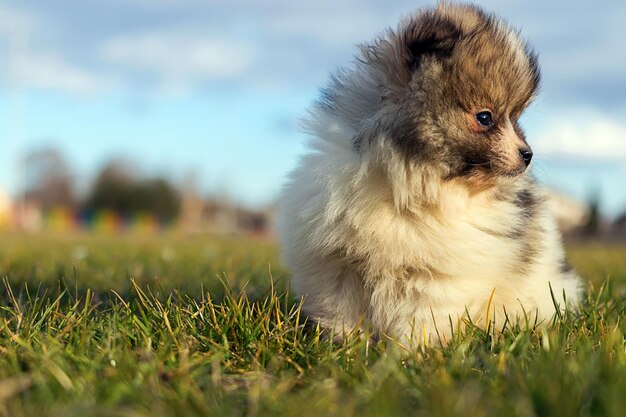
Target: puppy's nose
x,y
527,155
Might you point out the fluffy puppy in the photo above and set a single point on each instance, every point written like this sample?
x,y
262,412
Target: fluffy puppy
x,y
414,208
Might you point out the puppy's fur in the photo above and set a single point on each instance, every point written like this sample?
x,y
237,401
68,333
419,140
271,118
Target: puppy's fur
x,y
408,214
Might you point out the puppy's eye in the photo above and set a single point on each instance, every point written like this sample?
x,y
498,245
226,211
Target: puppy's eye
x,y
485,118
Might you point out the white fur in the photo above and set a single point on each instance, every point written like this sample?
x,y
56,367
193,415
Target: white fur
x,y
355,256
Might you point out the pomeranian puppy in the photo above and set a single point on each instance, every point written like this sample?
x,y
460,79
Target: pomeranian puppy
x,y
414,210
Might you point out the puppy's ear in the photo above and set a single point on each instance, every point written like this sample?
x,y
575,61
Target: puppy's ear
x,y
431,35
398,54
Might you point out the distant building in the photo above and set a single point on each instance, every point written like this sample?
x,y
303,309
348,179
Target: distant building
x,y
220,216
28,216
618,228
6,209
22,215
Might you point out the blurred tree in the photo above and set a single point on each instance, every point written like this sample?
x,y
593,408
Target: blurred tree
x,y
592,227
48,181
117,187
117,170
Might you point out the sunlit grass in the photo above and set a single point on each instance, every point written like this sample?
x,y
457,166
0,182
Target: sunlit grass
x,y
176,326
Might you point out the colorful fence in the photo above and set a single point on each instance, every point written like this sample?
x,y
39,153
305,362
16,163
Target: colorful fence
x,y
61,219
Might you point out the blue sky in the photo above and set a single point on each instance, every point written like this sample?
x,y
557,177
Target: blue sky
x,y
216,88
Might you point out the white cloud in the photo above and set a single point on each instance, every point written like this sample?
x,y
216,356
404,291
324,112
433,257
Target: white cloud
x,y
583,134
14,23
179,58
51,72
35,68
333,32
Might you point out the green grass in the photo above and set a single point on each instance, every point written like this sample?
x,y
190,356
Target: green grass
x,y
173,326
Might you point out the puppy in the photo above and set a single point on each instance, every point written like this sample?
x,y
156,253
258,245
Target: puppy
x,y
414,210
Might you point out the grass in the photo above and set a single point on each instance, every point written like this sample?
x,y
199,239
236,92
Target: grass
x,y
173,326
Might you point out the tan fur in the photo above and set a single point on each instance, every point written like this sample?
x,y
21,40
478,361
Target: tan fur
x,y
386,224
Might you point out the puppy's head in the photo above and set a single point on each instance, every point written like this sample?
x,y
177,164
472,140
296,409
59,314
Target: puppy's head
x,y
454,82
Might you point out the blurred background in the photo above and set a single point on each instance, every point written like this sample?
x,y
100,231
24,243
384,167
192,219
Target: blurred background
x,y
147,115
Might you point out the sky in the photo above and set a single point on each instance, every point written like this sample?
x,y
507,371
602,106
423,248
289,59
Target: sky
x,y
215,89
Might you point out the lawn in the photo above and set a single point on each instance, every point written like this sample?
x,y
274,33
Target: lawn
x,y
200,326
